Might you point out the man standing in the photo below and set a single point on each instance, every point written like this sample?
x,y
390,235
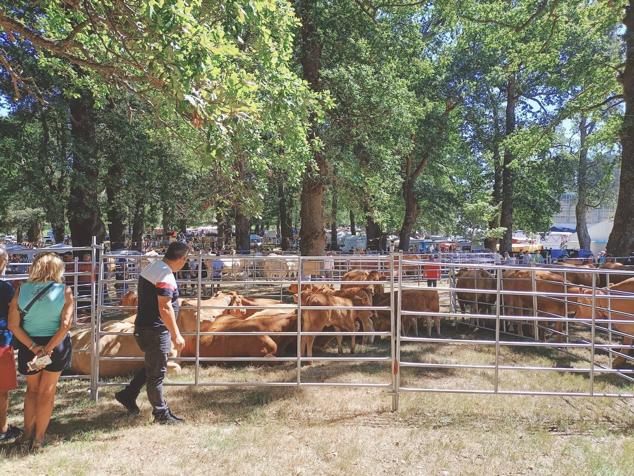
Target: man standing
x,y
155,325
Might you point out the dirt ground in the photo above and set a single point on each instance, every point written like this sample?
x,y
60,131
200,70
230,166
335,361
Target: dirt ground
x,y
332,431
323,430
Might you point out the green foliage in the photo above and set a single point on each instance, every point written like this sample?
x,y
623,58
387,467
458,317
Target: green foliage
x,y
199,108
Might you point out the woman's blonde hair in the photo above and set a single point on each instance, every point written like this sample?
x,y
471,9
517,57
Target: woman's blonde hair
x,y
4,259
46,267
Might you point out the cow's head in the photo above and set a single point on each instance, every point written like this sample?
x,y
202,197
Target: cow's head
x,y
583,304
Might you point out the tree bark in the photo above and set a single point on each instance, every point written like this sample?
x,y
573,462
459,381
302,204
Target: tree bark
x,y
581,209
286,231
138,225
492,243
220,238
412,210
167,217
333,219
54,209
83,203
243,242
373,233
311,234
34,233
410,172
353,225
621,242
116,215
506,218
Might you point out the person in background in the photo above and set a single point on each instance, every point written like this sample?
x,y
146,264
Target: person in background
x,y
43,331
216,267
432,273
8,380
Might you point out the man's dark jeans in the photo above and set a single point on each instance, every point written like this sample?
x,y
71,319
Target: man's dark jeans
x,y
156,345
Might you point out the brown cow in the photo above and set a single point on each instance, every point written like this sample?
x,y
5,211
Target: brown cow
x,y
580,278
415,300
187,312
310,288
111,346
614,278
250,301
476,279
315,320
545,282
130,299
619,311
361,275
360,296
242,346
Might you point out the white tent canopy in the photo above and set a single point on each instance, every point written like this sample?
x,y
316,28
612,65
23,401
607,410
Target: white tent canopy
x,y
599,234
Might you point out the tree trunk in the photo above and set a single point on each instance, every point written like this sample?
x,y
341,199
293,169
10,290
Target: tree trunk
x,y
59,231
242,233
138,225
506,218
116,214
286,232
411,215
333,220
353,225
373,232
83,203
491,243
621,242
312,236
54,209
581,208
34,233
182,225
220,241
167,217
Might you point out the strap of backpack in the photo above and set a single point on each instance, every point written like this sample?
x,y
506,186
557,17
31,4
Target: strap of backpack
x,y
37,297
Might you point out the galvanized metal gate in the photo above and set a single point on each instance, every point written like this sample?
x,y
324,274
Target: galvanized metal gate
x,y
399,273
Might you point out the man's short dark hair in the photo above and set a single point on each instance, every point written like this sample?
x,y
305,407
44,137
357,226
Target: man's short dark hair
x,y
176,250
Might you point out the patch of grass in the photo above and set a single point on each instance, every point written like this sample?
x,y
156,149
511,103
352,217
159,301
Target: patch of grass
x,y
259,430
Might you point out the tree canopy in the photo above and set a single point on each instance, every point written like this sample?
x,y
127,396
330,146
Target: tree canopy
x,y
440,117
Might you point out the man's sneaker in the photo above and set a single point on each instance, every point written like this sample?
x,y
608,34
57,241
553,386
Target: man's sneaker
x,y
12,433
167,419
129,404
174,416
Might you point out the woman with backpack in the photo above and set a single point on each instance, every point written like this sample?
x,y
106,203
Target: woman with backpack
x,y
40,316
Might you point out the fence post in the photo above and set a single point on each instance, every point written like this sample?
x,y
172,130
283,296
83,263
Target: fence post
x,y
95,324
75,287
535,322
199,278
299,320
607,286
396,330
392,327
594,308
497,328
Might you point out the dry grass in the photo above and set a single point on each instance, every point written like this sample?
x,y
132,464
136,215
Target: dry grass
x,y
338,430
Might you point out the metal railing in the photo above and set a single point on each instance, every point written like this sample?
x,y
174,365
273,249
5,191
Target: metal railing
x,y
563,334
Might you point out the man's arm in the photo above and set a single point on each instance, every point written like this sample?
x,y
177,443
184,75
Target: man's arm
x,y
169,319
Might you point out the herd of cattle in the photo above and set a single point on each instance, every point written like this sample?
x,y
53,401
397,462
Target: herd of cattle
x,y
345,310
